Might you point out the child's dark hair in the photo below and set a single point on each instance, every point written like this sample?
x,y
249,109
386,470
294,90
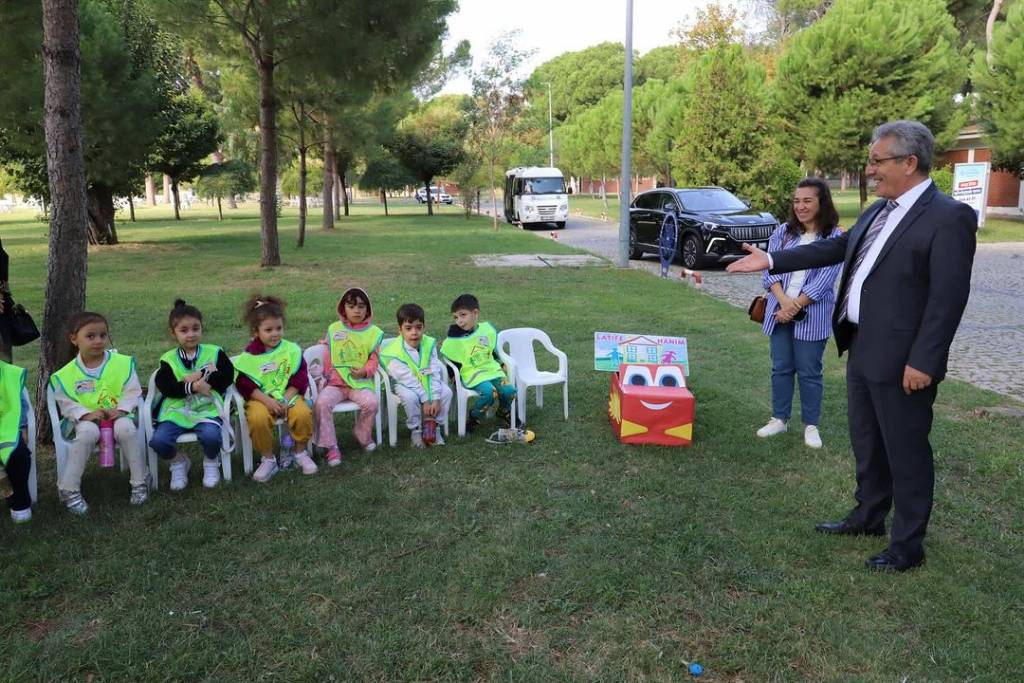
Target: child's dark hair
x,y
80,320
259,307
182,310
465,302
355,296
411,313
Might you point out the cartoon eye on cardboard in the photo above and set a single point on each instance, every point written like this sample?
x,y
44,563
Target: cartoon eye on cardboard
x,y
649,403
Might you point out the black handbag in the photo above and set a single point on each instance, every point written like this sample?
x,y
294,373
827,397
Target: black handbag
x,y
23,327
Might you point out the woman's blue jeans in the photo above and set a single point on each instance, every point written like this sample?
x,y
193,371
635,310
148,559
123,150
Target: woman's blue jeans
x,y
801,358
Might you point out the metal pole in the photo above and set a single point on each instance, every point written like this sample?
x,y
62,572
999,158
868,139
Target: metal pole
x,y
551,132
627,142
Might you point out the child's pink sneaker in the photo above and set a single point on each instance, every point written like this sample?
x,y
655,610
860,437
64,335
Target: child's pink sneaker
x,y
306,463
333,456
267,469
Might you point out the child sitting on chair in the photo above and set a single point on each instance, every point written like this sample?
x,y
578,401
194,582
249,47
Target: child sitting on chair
x,y
273,381
348,374
97,386
192,380
420,379
472,346
15,456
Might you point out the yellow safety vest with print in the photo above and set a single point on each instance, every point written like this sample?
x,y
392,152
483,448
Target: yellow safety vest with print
x,y
271,369
95,393
189,411
12,383
475,355
350,349
395,350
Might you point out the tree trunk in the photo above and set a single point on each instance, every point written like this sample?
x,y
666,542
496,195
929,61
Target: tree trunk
x,y
167,189
384,198
844,180
68,244
494,198
302,187
344,192
863,189
131,208
478,201
990,27
270,252
99,203
220,212
232,204
430,200
150,190
177,199
337,190
604,193
328,198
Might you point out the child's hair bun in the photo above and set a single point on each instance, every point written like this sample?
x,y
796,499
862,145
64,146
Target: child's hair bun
x,y
178,303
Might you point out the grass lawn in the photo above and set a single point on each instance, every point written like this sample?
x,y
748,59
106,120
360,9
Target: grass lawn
x,y
572,559
847,202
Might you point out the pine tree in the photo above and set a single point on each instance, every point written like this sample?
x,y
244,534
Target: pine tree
x,y
1000,89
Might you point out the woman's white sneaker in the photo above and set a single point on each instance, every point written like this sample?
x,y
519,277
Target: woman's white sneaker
x,y
774,426
811,436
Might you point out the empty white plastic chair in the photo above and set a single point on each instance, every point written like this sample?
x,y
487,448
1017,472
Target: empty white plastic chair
x,y
61,445
515,346
392,401
314,357
463,394
148,419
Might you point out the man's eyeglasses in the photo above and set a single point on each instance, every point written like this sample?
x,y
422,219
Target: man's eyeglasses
x,y
878,162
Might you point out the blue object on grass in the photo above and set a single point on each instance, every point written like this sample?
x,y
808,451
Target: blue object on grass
x,y
696,669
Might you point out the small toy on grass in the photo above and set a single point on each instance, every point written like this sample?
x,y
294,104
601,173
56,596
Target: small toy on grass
x,y
694,668
511,435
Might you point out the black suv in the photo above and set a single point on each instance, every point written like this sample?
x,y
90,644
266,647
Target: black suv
x,y
712,221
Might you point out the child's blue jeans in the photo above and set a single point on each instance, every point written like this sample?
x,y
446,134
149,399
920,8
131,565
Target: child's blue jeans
x,y
506,393
165,439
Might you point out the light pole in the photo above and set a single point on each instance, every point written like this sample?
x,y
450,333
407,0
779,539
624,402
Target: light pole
x,y
627,142
551,132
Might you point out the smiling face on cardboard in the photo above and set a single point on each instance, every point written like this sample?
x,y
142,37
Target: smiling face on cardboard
x,y
649,403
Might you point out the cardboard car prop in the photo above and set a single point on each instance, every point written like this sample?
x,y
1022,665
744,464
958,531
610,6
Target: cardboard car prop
x,y
649,403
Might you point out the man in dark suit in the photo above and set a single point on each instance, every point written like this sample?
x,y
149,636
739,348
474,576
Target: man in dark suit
x,y
906,279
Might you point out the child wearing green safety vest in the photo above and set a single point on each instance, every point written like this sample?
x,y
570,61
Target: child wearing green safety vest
x,y
420,379
98,385
472,346
350,364
192,380
272,378
15,456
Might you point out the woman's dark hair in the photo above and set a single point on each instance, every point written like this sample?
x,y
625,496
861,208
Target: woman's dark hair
x,y
827,218
410,313
259,307
182,310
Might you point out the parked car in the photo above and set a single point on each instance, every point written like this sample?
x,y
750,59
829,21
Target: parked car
x,y
713,224
436,194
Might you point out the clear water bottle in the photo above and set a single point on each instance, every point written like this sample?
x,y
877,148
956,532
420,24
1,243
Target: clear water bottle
x,y
107,443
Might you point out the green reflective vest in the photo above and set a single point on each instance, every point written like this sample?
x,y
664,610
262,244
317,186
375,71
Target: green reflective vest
x,y
12,383
189,411
350,349
95,393
475,355
395,350
271,369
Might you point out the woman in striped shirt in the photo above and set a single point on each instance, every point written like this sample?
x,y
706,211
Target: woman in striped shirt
x,y
798,317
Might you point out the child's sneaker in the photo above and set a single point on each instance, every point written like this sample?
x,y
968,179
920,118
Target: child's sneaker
x,y
370,447
417,439
333,456
140,494
179,472
267,469
73,501
511,436
438,440
211,473
21,516
303,460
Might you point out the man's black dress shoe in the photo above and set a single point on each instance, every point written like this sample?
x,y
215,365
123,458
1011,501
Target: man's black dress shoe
x,y
848,527
887,561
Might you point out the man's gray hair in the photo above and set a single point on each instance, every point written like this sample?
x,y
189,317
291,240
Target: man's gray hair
x,y
909,137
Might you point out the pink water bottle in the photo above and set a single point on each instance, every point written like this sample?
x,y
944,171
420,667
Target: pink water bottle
x,y
429,431
107,443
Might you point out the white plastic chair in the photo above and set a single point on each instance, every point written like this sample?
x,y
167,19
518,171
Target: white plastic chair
x,y
227,446
392,402
516,345
61,445
463,394
33,475
314,357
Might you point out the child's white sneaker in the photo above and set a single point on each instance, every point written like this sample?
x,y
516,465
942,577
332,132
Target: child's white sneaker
x,y
438,440
21,516
267,469
306,463
370,447
774,426
417,439
73,501
811,436
211,473
179,472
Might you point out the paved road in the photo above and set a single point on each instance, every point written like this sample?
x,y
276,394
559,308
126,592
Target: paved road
x,y
988,350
